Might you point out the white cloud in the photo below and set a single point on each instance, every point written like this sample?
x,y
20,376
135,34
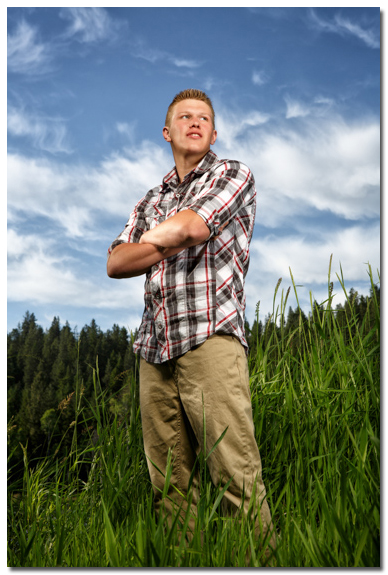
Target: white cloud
x,y
296,109
232,125
209,82
18,245
25,53
313,163
343,27
319,106
152,55
309,259
273,257
49,134
324,101
324,164
68,195
127,129
367,36
259,77
184,63
140,49
328,166
89,24
48,278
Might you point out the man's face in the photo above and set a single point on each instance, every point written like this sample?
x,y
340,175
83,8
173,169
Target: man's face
x,y
191,128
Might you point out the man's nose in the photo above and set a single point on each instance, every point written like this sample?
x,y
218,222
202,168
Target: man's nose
x,y
194,121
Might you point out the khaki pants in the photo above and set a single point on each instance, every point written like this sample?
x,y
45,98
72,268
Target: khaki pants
x,y
212,379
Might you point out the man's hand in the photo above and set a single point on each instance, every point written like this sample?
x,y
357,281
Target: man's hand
x,y
220,230
172,236
131,260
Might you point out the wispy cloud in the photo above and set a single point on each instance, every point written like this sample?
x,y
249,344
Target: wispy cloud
x,y
127,129
140,49
72,196
308,167
308,259
49,277
368,36
319,106
26,54
184,63
324,164
275,13
344,27
329,165
259,77
89,24
295,108
48,134
232,125
324,101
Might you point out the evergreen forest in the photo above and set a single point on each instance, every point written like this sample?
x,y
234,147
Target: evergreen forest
x,y
72,403
44,366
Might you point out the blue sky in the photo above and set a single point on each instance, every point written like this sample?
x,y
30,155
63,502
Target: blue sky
x,y
297,97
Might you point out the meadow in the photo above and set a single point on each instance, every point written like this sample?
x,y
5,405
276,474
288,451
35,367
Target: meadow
x,y
316,406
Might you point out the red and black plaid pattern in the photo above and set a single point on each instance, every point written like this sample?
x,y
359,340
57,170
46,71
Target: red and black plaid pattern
x,y
200,291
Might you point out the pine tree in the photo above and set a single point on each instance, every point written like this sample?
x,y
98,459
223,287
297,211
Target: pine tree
x,y
64,368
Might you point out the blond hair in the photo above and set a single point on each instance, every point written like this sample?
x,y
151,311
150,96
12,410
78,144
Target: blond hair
x,y
190,94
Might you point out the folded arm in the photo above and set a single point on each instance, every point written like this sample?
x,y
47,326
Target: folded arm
x,y
129,260
183,230
172,236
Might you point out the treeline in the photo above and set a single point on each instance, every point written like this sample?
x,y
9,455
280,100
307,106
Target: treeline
x,y
357,310
50,370
47,369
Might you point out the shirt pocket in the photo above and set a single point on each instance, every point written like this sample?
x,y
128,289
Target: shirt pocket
x,y
155,214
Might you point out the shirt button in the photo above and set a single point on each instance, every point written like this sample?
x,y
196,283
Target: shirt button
x,y
160,325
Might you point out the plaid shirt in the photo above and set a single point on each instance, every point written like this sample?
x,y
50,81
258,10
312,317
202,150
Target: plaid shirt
x,y
200,291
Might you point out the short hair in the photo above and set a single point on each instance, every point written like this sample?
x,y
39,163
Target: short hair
x,y
190,94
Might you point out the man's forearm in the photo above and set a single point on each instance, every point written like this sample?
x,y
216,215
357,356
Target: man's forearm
x,y
183,230
132,259
172,236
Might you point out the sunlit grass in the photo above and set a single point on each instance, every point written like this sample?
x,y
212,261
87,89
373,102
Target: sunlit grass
x,y
316,409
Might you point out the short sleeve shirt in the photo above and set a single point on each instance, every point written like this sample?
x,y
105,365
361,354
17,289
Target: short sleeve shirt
x,y
200,291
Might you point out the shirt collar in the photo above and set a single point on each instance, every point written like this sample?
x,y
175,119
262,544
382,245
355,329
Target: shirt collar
x,y
171,179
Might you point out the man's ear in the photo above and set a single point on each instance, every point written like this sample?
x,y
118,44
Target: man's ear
x,y
166,134
214,137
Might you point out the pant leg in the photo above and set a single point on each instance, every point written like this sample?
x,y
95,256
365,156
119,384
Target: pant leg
x,y
165,426
217,371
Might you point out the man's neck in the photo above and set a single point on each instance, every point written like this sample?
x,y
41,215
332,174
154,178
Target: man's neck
x,y
185,164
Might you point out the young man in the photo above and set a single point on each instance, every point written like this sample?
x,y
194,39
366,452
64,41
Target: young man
x,y
191,236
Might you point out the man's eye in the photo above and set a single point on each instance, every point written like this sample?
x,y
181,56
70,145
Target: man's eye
x,y
204,118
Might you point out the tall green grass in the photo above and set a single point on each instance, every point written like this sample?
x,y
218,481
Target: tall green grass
x,y
316,408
